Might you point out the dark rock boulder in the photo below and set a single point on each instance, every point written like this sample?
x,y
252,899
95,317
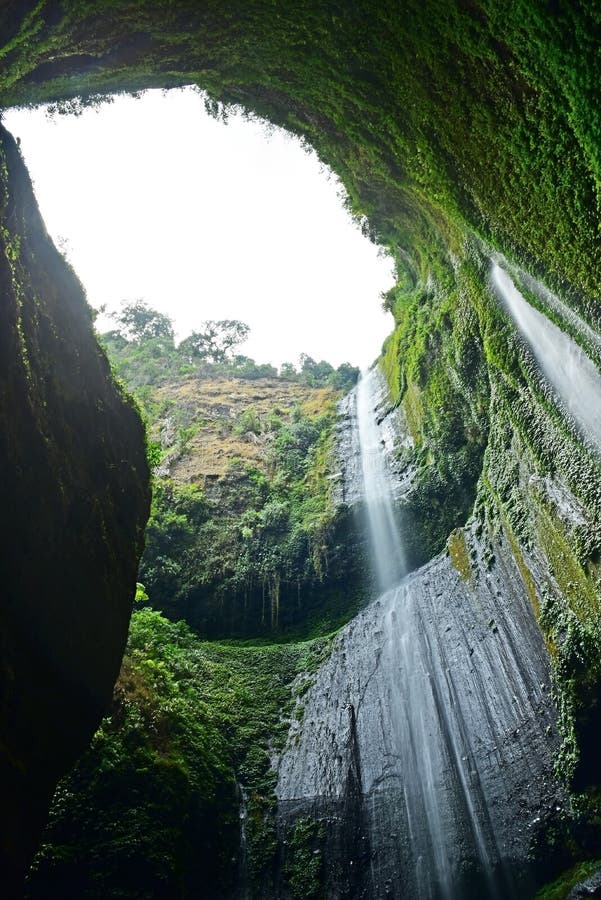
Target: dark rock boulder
x,y
74,496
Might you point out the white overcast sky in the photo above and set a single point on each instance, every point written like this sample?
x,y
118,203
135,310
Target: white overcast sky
x,y
204,220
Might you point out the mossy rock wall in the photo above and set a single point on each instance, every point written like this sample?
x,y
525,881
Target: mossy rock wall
x,y
74,494
487,427
444,120
484,114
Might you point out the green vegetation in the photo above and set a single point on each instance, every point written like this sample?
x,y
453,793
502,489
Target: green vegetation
x,y
483,115
240,541
304,863
485,427
139,323
255,557
454,127
243,540
144,355
243,537
459,553
153,808
561,887
531,449
216,340
436,370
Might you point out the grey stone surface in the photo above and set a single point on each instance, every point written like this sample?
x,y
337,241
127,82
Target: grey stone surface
x,y
590,887
425,748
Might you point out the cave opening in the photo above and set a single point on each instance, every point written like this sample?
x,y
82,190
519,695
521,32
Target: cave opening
x,y
452,125
207,212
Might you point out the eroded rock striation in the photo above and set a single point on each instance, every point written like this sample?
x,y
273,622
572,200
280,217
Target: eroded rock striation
x,y
433,718
423,752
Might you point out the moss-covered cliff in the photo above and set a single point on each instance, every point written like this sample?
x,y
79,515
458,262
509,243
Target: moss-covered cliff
x,y
75,499
482,113
456,127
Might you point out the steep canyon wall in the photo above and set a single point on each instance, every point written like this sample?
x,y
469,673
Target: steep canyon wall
x,y
455,127
74,494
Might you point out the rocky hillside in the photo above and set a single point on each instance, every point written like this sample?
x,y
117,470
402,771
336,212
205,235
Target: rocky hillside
x,y
246,536
206,424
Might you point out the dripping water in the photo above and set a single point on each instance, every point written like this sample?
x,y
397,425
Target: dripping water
x,y
436,790
428,748
572,374
243,877
383,530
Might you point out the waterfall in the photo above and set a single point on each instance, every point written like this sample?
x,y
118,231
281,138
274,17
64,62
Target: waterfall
x,y
425,749
384,536
426,736
567,368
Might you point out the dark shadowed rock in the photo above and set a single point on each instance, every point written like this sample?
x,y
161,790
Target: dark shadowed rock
x,y
74,497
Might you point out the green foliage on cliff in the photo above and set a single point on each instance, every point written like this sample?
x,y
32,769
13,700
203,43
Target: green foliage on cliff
x,y
483,114
435,366
254,556
485,425
560,888
441,119
236,545
153,808
542,485
147,356
243,538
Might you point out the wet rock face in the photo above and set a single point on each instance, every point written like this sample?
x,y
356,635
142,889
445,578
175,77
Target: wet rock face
x,y
395,438
74,495
426,743
590,887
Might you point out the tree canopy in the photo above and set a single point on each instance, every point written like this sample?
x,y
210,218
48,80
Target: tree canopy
x,y
155,356
216,340
137,321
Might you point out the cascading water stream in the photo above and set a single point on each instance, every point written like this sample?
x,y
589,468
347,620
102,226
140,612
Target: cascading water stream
x,y
426,734
424,749
565,365
384,535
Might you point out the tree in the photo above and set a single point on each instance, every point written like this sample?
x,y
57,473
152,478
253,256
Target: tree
x,y
216,341
288,371
138,322
345,377
314,373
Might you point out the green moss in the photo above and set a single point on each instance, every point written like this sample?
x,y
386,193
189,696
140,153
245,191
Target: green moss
x,y
431,122
153,805
459,553
304,859
448,121
578,588
265,552
561,887
528,580
529,443
414,412
435,367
